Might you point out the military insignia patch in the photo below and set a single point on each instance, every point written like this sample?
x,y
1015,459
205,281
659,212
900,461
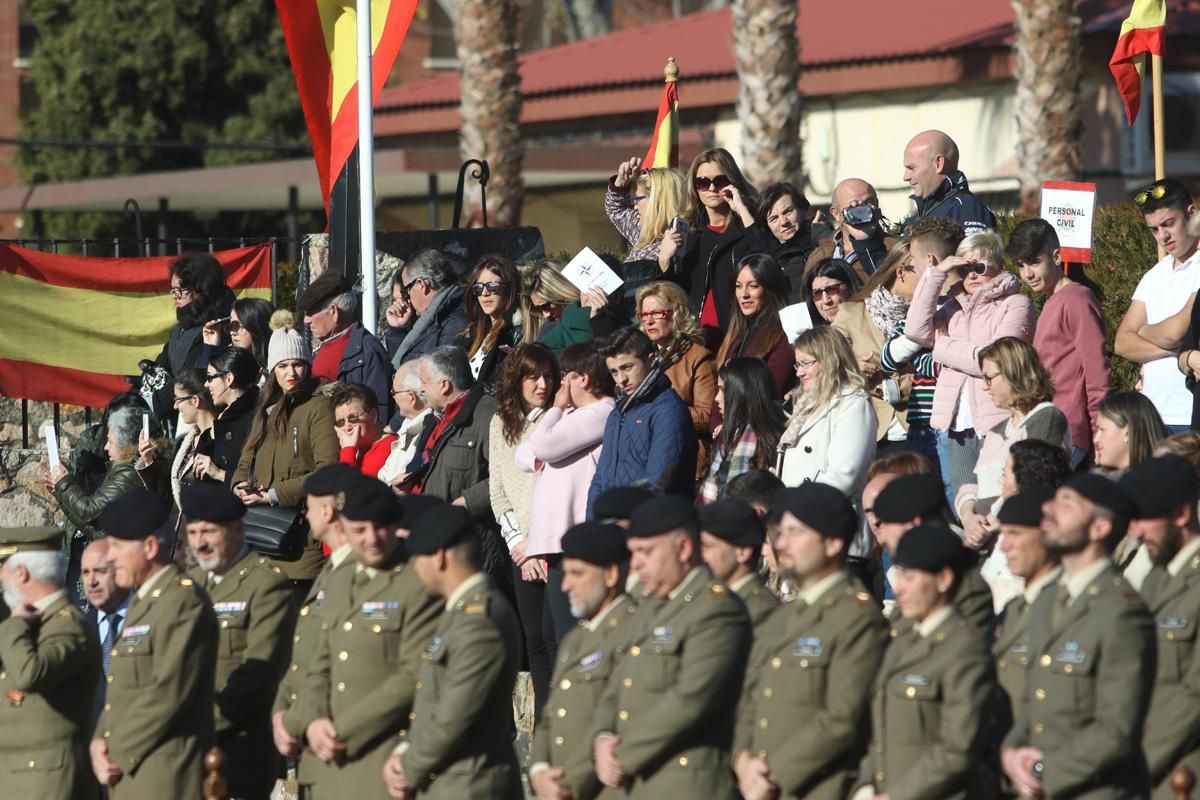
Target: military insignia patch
x,y
591,661
379,609
229,608
132,635
340,501
1070,654
808,647
1173,623
475,608
663,634
913,679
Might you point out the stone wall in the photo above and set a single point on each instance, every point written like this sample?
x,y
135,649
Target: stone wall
x,y
23,499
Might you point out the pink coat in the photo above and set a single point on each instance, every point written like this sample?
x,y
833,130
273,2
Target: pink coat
x,y
957,331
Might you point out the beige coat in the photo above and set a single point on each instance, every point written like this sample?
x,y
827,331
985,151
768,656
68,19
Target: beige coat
x,y
855,322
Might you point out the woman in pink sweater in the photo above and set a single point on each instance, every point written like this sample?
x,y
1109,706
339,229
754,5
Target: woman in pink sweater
x,y
985,306
563,451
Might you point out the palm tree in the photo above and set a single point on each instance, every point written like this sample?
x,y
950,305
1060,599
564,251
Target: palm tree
x,y
768,64
491,105
1048,104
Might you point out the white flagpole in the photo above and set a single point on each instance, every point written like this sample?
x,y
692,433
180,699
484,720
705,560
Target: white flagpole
x,y
366,169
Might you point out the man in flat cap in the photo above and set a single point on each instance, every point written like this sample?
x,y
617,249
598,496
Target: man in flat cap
x,y
802,719
731,544
460,743
1091,658
345,352
595,563
255,614
49,671
912,500
1165,491
376,619
664,726
157,721
287,714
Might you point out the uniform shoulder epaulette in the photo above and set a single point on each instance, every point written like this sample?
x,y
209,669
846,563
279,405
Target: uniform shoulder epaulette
x,y
186,582
862,599
475,608
66,612
716,589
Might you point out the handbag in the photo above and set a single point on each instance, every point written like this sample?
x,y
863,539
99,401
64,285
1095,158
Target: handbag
x,y
278,533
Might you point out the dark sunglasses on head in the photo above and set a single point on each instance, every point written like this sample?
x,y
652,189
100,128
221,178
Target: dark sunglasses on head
x,y
718,183
491,287
1155,192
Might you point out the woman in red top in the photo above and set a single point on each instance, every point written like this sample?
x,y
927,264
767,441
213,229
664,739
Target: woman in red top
x,y
760,289
360,433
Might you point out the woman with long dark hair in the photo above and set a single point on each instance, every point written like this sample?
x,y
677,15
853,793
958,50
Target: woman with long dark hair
x,y
493,289
826,286
195,408
753,423
232,379
526,387
249,328
760,290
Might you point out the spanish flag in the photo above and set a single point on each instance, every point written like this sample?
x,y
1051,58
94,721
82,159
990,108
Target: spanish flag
x,y
664,147
78,325
321,42
1144,31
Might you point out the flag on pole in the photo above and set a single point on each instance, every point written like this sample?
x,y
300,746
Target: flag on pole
x,y
321,42
664,147
1144,31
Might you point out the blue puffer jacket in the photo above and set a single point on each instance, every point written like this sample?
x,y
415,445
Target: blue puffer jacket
x,y
954,200
648,438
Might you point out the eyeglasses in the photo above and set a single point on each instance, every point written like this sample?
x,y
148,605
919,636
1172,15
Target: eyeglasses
x,y
637,198
491,287
542,308
1155,192
180,293
352,419
832,290
176,401
987,379
405,288
806,364
658,313
212,376
235,326
399,392
717,183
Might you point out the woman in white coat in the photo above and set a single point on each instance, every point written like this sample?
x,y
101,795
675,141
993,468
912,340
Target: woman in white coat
x,y
830,437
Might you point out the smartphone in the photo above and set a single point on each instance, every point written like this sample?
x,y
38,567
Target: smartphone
x,y
681,227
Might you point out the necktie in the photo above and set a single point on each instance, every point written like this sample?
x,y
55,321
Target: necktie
x,y
361,579
110,638
1060,606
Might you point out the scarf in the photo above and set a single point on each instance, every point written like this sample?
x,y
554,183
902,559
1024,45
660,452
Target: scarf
x,y
887,311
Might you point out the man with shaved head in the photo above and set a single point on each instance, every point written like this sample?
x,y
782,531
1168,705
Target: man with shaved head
x,y
858,240
939,188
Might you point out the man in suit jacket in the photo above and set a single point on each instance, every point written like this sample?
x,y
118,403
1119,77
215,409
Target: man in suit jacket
x,y
731,543
1166,490
109,606
157,723
49,668
1092,654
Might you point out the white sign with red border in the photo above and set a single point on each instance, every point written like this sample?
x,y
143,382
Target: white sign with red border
x,y
1070,207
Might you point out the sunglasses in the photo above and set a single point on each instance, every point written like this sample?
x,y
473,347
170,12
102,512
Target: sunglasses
x,y
176,402
718,183
179,294
491,287
1155,192
660,313
542,308
235,326
832,291
352,419
212,376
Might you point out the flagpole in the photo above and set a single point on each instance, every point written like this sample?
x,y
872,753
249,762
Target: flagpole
x,y
1160,155
366,169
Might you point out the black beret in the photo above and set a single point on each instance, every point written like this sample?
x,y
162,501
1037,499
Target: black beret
x,y
1160,485
1025,508
620,501
597,543
328,285
1103,492
134,515
661,514
819,506
330,479
368,500
929,548
412,506
440,527
210,502
734,521
909,497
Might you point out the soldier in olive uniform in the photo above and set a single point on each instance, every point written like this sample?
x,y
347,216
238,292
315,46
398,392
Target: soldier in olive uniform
x,y
287,714
460,744
664,726
595,561
802,719
1165,490
911,500
1091,651
253,604
929,715
49,671
376,618
731,543
157,721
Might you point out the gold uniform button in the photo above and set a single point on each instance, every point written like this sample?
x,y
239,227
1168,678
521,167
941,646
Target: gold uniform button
x,y
764,723
420,685
1068,669
776,662
623,715
879,777
1045,660
635,651
562,712
627,683
804,663
558,740
342,656
1002,663
32,764
341,687
107,734
296,638
412,715
376,628
108,706
1170,635
910,692
683,761
566,684
1039,729
109,679
304,611
767,692
295,667
224,623
294,697
347,625
1040,694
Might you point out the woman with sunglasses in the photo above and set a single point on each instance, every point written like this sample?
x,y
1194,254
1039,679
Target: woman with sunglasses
x,y
248,328
194,405
721,230
826,286
233,379
555,313
759,290
492,291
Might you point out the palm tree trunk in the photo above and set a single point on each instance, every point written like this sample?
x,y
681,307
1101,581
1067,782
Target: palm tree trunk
x,y
768,64
1048,105
491,106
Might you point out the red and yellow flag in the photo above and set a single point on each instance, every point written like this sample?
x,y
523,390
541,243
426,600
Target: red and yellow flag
x,y
1144,31
664,147
78,325
321,42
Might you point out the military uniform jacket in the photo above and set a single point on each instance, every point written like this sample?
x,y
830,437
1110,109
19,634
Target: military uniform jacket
x,y
364,669
804,705
672,697
1173,723
585,660
49,671
929,714
974,602
1091,672
253,605
158,718
460,744
759,600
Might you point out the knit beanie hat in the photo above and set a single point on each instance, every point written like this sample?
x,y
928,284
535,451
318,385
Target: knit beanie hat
x,y
286,344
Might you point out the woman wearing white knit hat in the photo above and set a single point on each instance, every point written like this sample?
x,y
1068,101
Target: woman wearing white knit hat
x,y
292,436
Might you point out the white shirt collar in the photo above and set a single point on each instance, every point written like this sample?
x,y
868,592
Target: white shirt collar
x,y
1032,590
464,587
678,590
1181,558
593,624
934,621
1078,582
339,555
217,578
144,590
49,600
814,593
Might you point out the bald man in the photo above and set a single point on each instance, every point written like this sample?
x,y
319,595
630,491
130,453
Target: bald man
x,y
108,604
939,188
861,242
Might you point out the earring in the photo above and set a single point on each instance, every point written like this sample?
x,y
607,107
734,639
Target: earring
x,y
942,590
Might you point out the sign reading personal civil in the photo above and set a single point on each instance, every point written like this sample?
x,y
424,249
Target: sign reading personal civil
x,y
1070,207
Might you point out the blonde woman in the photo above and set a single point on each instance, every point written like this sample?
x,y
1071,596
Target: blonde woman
x,y
830,437
641,204
556,314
